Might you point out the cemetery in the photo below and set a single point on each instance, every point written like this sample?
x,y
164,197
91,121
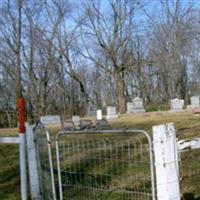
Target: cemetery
x,y
187,126
185,141
99,100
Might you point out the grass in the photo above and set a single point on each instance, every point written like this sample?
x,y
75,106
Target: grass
x,y
187,126
9,172
107,163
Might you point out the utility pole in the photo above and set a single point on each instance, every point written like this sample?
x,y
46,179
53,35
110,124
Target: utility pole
x,y
21,109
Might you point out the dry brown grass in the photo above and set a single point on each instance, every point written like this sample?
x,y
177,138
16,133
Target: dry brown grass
x,y
186,123
8,132
187,126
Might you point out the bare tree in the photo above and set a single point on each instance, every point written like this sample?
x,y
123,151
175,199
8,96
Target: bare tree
x,y
171,44
110,35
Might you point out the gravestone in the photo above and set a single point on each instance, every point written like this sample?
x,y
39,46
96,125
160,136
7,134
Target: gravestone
x,y
111,112
138,106
99,115
92,110
51,120
130,107
76,120
195,101
176,104
68,125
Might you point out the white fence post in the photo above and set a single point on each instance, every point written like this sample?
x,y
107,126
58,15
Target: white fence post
x,y
32,164
166,162
23,171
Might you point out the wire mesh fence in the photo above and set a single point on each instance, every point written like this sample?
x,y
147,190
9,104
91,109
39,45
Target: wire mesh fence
x,y
114,165
190,174
44,161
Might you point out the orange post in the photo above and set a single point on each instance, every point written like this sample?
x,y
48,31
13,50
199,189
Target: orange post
x,y
22,146
21,114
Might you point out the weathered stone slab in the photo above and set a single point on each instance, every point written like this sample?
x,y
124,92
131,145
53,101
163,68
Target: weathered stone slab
x,y
111,112
76,120
138,106
130,107
68,125
91,110
195,101
176,104
51,120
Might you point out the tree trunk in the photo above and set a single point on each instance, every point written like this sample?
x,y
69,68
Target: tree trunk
x,y
19,81
9,119
120,87
183,82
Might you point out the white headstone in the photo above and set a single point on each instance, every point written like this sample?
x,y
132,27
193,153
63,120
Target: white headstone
x,y
138,105
99,115
111,112
51,120
195,101
176,104
130,107
76,120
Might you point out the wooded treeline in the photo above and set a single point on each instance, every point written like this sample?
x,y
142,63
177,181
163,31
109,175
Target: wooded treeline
x,y
63,55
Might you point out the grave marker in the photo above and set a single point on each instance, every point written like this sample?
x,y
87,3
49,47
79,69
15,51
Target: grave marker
x,y
68,125
176,104
130,107
138,106
76,120
195,101
92,110
99,115
51,120
111,112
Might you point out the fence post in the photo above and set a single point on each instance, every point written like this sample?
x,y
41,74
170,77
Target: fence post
x,y
22,147
166,162
32,164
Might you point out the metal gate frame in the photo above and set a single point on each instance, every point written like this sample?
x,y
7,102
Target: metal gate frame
x,y
104,132
40,125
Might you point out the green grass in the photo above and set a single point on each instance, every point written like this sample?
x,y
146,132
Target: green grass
x,y
115,164
9,172
187,126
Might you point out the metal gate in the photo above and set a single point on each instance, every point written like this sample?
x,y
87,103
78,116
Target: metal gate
x,y
44,162
105,164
